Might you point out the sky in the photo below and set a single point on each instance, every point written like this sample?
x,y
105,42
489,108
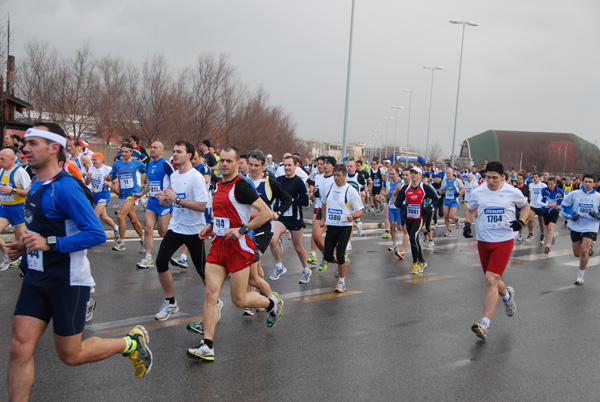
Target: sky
x,y
529,65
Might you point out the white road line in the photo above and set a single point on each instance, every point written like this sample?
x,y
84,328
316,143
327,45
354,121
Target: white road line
x,y
123,323
591,262
543,256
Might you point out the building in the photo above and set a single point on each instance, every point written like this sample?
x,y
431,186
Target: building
x,y
320,148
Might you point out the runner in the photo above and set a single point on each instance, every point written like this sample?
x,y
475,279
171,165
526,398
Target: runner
x,y
188,197
414,196
452,188
324,182
524,189
341,206
14,187
394,212
581,207
158,179
357,181
101,189
376,180
401,253
57,279
495,203
535,189
232,251
292,220
82,162
552,198
312,183
125,171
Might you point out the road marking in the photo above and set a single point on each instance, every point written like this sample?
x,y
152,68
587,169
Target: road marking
x,y
510,264
591,262
421,279
305,293
543,256
155,325
328,296
410,277
123,323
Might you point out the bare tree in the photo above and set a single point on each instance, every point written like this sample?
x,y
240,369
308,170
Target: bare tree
x,y
537,157
435,152
589,160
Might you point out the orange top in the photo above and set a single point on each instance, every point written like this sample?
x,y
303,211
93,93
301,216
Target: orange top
x,y
71,168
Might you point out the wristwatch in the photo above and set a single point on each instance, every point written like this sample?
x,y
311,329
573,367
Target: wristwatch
x,y
177,200
14,191
244,229
51,242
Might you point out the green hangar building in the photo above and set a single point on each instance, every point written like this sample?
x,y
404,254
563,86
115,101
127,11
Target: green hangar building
x,y
562,153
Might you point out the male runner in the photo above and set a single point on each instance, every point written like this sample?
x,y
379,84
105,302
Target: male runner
x,y
357,181
158,179
453,189
394,212
495,204
535,190
341,207
581,207
82,162
376,179
58,279
100,188
292,220
14,187
321,183
232,251
317,174
188,197
414,196
552,198
524,189
125,171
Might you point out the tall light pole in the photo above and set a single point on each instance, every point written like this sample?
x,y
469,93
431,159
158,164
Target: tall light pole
x,y
430,99
387,124
408,129
379,130
464,24
348,81
396,129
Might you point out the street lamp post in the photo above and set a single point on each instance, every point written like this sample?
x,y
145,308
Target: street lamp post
x,y
348,81
464,24
396,129
429,118
387,124
408,129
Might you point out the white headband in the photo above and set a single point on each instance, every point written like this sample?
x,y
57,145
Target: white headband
x,y
49,135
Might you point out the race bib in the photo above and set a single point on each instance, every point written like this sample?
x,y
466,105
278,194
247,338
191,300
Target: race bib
x,y
376,182
449,195
97,186
536,191
35,260
288,212
6,197
334,216
413,211
126,181
153,187
586,208
220,226
178,209
493,218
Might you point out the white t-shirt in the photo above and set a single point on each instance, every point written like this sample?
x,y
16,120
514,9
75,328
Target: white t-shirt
x,y
322,184
535,191
188,186
341,202
495,211
97,180
22,180
469,187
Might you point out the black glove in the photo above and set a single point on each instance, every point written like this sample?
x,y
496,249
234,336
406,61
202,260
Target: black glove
x,y
517,225
574,217
467,230
594,214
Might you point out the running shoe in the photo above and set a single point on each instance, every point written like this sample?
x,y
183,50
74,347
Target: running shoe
x,y
15,264
415,268
142,246
196,327
480,328
520,237
323,265
458,223
359,229
220,306
166,310
435,226
346,259
305,278
277,273
181,263
312,259
116,236
422,266
146,263
280,246
340,287
91,306
93,290
554,238
141,356
248,311
448,234
120,246
547,250
393,247
202,352
509,306
400,254
349,246
5,263
591,251
430,244
542,239
275,314
579,280
529,237
386,235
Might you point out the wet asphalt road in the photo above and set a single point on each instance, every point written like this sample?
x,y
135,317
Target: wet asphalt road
x,y
391,336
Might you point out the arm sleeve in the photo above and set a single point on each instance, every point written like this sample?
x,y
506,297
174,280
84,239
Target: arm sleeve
x,y
544,199
244,193
23,180
285,199
401,196
302,199
200,194
430,193
355,200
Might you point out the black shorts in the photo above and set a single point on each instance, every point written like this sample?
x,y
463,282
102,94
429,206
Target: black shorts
x,y
578,236
318,213
262,240
336,237
294,225
538,211
376,190
66,305
172,241
550,217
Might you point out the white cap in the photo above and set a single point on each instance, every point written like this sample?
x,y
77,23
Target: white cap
x,y
269,156
416,169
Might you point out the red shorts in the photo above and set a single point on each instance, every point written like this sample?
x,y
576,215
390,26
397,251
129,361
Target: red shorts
x,y
233,255
494,256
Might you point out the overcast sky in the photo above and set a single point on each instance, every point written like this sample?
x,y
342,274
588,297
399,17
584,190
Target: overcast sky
x,y
530,65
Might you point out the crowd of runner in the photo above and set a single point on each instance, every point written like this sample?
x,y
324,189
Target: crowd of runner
x,y
54,194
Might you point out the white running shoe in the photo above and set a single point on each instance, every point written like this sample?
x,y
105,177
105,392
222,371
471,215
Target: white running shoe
x,y
220,306
431,244
458,223
340,287
277,273
202,352
248,311
305,278
5,263
166,310
509,306
393,247
89,314
143,246
579,280
448,234
349,246
359,230
120,246
146,263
